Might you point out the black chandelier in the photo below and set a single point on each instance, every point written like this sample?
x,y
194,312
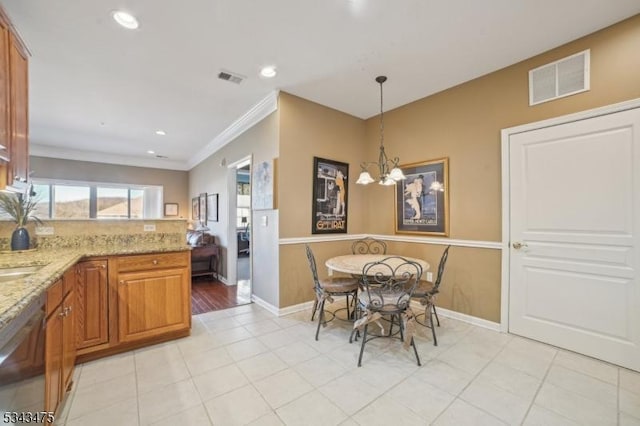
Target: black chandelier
x,y
388,170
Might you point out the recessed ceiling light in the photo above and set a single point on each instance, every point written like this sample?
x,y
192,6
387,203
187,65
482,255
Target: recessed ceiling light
x,y
160,132
151,152
125,19
268,71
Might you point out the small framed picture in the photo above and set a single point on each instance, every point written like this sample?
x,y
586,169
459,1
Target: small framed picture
x,y
212,207
329,204
171,209
195,208
203,207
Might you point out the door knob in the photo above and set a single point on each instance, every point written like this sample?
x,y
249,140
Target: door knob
x,y
518,245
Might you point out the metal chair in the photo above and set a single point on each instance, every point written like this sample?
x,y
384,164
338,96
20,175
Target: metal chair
x,y
369,246
426,293
387,288
326,288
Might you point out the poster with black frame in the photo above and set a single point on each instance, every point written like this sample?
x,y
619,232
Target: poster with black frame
x,y
422,199
330,196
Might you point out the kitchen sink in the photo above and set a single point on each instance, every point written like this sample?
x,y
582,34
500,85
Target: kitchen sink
x,y
10,274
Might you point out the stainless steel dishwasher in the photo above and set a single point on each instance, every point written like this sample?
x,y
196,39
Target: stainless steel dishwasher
x,y
22,383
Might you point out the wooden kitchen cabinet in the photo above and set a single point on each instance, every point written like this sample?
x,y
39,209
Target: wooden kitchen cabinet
x,y
14,107
92,304
154,296
60,351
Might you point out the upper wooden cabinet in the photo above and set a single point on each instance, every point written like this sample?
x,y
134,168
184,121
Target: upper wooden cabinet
x,y
14,107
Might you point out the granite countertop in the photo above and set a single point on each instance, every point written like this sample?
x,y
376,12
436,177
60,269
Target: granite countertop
x,y
16,295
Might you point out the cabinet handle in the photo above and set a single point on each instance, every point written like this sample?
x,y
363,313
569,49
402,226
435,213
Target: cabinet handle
x,y
155,261
103,266
63,313
121,281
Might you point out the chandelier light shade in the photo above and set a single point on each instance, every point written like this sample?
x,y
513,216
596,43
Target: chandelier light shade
x,y
388,170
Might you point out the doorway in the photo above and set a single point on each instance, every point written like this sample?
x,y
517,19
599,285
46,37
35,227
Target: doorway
x,y
243,231
571,257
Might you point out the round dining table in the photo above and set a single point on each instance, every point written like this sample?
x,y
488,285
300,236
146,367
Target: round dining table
x,y
354,263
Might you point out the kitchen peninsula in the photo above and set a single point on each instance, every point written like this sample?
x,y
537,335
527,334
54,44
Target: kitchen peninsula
x,y
97,294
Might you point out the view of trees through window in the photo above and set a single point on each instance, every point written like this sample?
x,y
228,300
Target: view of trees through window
x,y
83,201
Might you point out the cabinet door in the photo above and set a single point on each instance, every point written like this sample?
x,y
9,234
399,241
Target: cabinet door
x,y
152,303
92,314
68,341
4,87
19,111
53,359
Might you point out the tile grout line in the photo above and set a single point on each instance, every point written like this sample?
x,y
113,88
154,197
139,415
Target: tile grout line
x,y
457,396
618,399
544,378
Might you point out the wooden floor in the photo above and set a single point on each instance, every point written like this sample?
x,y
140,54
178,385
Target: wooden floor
x,y
210,295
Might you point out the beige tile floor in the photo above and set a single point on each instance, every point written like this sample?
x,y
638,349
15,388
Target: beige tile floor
x,y
247,366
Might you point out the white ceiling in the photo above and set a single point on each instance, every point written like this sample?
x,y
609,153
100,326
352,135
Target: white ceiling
x,y
99,92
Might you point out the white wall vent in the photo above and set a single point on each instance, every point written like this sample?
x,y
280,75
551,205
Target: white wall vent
x,y
561,78
230,76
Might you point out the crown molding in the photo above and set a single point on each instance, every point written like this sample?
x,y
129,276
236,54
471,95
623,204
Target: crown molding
x,y
101,157
249,119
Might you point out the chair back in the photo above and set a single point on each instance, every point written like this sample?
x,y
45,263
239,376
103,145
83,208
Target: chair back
x,y
443,261
369,246
389,283
314,269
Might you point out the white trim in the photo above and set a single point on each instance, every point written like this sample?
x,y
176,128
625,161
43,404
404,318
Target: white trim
x,y
268,306
506,167
101,157
495,245
258,112
469,319
281,311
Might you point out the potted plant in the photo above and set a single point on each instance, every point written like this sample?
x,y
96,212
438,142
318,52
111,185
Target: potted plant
x,y
21,208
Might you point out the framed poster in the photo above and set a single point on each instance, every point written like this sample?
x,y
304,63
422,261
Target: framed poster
x,y
212,207
195,208
330,196
422,199
202,200
171,209
262,181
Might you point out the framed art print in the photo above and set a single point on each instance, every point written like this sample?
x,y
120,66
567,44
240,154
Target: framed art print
x,y
330,196
422,199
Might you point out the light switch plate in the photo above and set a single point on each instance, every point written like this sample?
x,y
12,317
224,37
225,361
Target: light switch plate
x,y
44,230
151,227
265,221
430,276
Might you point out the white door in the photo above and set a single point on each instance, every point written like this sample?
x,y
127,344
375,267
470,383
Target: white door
x,y
575,210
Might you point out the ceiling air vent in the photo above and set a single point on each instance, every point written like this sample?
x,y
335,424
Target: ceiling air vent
x,y
558,79
230,76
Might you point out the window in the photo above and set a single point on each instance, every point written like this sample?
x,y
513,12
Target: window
x,y
84,200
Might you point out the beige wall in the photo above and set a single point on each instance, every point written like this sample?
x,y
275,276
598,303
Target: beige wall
x,y
175,182
308,129
462,123
210,176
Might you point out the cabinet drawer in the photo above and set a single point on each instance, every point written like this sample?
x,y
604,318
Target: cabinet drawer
x,y
152,261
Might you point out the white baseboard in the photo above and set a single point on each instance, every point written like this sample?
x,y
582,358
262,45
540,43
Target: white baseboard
x,y
417,307
281,311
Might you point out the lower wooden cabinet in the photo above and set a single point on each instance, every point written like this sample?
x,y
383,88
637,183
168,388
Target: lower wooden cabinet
x,y
92,300
60,348
151,303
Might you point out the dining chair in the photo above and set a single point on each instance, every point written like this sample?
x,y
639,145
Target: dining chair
x,y
326,288
426,293
388,285
369,246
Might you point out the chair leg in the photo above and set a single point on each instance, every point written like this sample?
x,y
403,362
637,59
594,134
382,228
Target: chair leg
x,y
436,314
364,340
315,307
415,351
348,313
320,318
433,329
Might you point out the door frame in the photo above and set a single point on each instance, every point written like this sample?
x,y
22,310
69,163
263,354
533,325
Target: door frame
x,y
232,242
506,185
